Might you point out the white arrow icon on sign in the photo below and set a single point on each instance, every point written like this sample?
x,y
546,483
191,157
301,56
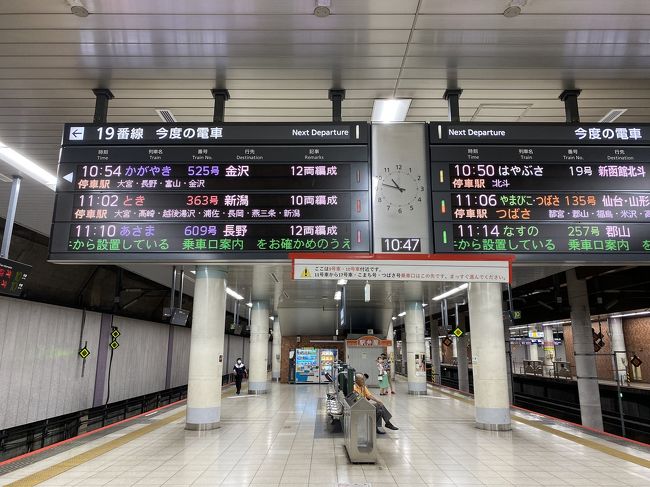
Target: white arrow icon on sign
x,y
68,177
77,133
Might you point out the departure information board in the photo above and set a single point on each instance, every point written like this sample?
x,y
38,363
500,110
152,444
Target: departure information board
x,y
13,277
206,192
544,192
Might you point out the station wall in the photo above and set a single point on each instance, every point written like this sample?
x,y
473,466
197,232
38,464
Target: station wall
x,y
448,351
42,375
637,338
140,363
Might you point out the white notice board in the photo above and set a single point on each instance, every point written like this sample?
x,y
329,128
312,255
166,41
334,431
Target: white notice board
x,y
409,267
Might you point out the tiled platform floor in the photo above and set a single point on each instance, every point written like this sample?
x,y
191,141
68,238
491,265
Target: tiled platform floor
x,y
278,440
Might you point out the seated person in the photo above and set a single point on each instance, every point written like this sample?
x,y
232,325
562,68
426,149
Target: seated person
x,y
381,411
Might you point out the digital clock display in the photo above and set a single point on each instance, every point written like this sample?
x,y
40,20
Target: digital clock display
x,y
203,193
543,199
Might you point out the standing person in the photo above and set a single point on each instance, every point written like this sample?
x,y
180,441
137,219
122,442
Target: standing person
x,y
381,413
240,371
382,377
387,366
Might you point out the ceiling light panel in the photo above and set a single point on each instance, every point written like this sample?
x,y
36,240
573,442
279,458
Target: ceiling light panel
x,y
27,167
390,110
234,294
451,292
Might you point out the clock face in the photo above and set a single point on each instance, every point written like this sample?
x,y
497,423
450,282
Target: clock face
x,y
400,189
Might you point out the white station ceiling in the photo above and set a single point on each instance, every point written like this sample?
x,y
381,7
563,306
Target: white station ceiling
x,y
278,60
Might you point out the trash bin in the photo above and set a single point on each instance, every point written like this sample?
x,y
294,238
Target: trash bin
x,y
359,428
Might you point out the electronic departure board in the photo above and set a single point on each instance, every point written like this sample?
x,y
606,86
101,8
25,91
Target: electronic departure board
x,y
544,192
205,192
13,277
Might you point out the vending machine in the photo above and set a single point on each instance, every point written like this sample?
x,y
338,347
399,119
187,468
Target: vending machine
x,y
307,366
327,360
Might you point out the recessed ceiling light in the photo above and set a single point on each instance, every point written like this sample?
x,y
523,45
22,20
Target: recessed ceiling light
x,y
78,8
390,110
323,8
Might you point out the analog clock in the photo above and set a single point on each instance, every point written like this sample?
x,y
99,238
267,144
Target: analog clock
x,y
401,208
400,189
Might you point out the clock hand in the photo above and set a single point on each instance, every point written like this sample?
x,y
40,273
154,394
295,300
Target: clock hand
x,y
391,186
401,190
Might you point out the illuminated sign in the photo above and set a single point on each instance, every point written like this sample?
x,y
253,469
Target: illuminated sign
x,y
174,192
541,191
13,277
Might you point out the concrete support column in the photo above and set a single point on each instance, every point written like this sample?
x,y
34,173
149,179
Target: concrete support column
x,y
277,350
259,349
461,344
549,350
414,327
491,400
435,351
618,348
583,349
533,348
206,349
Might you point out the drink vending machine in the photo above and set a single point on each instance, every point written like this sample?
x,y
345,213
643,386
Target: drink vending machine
x,y
312,364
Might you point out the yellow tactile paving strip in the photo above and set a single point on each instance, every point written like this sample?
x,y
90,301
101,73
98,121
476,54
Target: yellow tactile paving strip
x,y
64,466
567,436
59,468
586,442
